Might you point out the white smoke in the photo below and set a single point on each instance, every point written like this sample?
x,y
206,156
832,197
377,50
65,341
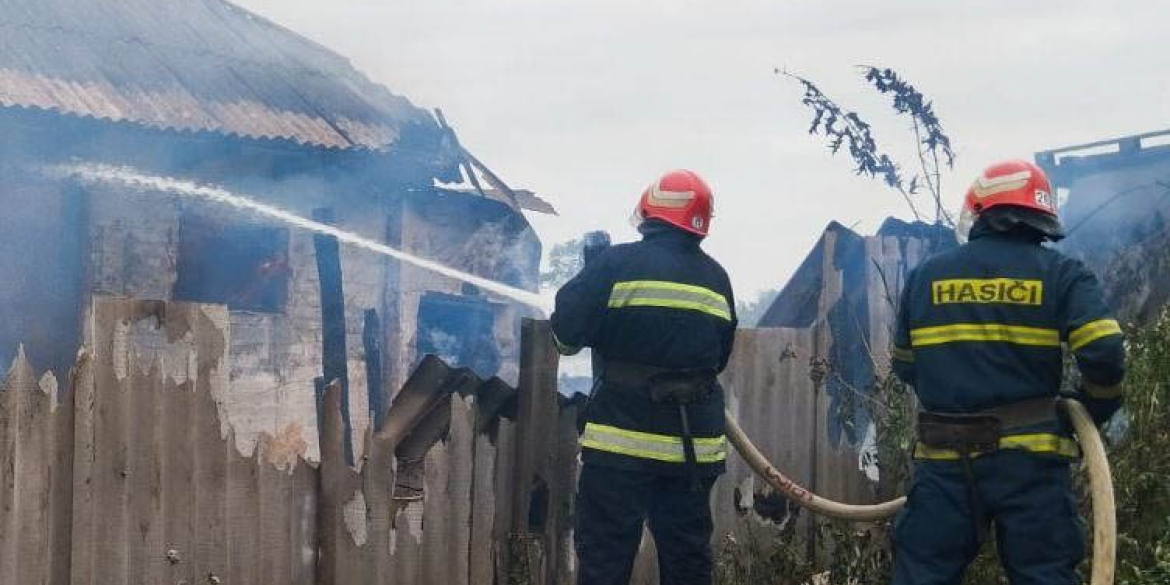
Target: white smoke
x,y
131,177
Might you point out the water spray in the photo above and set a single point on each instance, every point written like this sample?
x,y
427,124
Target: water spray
x,y
129,177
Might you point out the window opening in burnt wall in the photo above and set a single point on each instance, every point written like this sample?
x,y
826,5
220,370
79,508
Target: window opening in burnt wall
x,y
460,330
242,266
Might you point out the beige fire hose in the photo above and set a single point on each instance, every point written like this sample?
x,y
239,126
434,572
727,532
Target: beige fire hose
x,y
1095,461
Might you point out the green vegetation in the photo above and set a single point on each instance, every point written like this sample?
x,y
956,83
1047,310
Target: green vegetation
x,y
1141,460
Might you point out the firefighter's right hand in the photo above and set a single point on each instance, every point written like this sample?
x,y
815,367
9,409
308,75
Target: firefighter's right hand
x,y
1101,409
594,244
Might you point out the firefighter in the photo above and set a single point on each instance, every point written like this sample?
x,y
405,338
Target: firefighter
x,y
980,335
660,314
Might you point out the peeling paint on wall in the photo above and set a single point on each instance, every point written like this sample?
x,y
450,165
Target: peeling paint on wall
x,y
355,518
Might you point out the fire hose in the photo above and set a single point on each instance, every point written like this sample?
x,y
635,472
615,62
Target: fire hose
x,y
1095,462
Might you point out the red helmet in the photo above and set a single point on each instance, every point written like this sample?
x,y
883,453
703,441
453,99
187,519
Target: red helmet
x,y
1018,184
680,198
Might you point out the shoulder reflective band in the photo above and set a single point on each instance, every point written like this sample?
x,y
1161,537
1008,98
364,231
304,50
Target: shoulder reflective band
x,y
984,332
1034,443
671,295
650,446
1092,331
903,355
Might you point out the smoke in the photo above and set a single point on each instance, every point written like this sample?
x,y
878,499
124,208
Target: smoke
x,y
102,173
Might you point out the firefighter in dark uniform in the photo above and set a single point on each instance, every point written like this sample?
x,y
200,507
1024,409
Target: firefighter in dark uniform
x,y
980,336
661,316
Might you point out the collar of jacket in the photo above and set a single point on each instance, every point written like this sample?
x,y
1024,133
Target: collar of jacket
x,y
983,230
660,232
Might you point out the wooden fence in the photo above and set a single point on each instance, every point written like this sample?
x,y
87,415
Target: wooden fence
x,y
124,472
130,479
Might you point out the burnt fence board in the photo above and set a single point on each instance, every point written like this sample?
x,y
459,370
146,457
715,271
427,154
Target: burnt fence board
x,y
81,533
145,537
178,481
61,494
30,511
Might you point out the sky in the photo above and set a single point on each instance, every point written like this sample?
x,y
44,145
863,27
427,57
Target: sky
x,y
586,103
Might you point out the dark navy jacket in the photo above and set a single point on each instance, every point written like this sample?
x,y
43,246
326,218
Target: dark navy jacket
x,y
985,324
659,302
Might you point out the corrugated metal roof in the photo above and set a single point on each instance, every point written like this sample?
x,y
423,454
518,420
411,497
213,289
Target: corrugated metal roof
x,y
197,65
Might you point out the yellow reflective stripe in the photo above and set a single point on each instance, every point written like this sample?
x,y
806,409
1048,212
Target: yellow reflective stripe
x,y
673,304
1092,331
1033,443
651,437
651,446
667,285
903,355
1017,334
671,295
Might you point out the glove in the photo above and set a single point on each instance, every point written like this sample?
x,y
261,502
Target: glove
x,y
1101,409
594,244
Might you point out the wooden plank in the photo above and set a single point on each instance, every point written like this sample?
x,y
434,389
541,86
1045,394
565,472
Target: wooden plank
x,y
536,419
84,430
178,481
31,501
108,533
8,425
145,538
243,506
274,507
61,494
562,483
483,509
337,486
461,457
302,524
375,383
505,478
407,548
446,433
436,562
377,477
210,554
333,331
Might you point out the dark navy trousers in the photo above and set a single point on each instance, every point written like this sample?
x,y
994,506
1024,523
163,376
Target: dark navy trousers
x,y
612,507
1029,500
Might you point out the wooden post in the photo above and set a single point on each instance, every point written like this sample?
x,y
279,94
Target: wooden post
x,y
332,489
333,321
527,558
372,343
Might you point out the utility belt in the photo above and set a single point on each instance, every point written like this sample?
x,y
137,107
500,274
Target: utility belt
x,y
963,437
661,385
955,436
667,386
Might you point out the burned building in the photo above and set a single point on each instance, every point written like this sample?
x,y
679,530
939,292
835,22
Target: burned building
x,y
836,317
1115,197
207,92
